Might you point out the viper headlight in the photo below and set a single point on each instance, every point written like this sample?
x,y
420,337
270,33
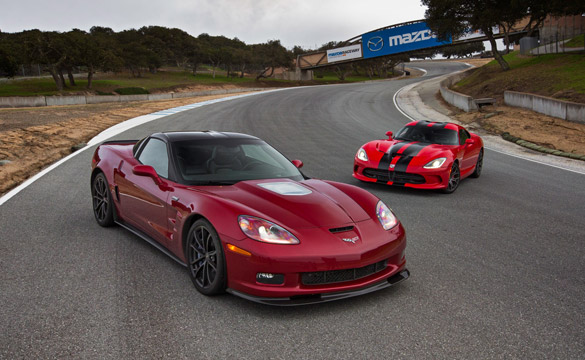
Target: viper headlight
x,y
265,231
361,154
385,216
435,164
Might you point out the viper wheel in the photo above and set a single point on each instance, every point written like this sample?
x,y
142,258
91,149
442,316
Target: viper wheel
x,y
478,166
103,207
454,179
205,258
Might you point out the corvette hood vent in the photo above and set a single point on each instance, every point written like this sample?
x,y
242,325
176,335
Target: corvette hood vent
x,y
341,229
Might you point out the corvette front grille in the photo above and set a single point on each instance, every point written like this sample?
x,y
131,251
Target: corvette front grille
x,y
335,276
394,176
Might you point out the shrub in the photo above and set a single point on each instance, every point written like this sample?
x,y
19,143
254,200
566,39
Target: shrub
x,y
131,91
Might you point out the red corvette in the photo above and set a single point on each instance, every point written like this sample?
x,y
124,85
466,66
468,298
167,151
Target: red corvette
x,y
243,219
424,155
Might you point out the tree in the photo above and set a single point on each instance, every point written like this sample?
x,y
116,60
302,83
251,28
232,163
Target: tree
x,y
137,52
242,59
196,53
425,53
269,56
219,50
102,52
453,17
463,50
538,10
8,55
48,49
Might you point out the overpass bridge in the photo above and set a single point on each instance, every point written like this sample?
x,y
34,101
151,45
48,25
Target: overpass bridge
x,y
402,38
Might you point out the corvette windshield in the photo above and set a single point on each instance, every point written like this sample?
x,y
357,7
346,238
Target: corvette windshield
x,y
228,161
428,134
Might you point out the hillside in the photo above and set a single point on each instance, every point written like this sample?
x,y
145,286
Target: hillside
x,y
561,76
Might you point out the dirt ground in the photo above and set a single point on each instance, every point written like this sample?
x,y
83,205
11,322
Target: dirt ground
x,y
33,138
528,125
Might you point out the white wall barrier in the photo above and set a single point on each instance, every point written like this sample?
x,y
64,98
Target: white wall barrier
x,y
561,109
34,101
462,101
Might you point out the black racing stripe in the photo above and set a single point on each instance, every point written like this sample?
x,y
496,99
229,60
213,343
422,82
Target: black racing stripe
x,y
407,156
439,125
385,161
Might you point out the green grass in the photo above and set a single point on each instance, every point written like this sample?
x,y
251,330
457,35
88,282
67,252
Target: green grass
x,y
108,83
162,81
555,75
576,42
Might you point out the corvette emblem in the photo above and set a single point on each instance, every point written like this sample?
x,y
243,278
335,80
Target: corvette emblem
x,y
352,240
376,43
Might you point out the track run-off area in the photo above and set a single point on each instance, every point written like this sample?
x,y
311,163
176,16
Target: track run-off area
x,y
496,267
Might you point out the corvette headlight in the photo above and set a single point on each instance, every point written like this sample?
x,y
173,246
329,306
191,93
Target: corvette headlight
x,y
434,164
265,231
385,215
361,154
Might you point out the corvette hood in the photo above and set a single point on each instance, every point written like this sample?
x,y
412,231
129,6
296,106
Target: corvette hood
x,y
306,204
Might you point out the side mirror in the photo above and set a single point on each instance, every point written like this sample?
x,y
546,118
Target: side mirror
x,y
147,170
389,134
298,163
469,142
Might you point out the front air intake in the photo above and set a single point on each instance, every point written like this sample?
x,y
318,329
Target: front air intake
x,y
334,276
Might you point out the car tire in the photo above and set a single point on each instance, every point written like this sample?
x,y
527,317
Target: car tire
x,y
205,258
478,166
454,179
103,206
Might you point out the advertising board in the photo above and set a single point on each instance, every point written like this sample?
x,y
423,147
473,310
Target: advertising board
x,y
344,53
399,39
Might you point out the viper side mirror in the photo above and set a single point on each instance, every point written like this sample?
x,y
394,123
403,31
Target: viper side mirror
x,y
297,163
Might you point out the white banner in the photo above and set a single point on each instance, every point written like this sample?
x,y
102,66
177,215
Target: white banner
x,y
344,53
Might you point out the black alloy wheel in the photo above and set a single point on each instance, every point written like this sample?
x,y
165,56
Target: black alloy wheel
x,y
205,258
103,207
478,166
454,179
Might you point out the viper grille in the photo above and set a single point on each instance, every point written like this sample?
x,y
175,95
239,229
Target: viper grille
x,y
335,276
394,176
341,229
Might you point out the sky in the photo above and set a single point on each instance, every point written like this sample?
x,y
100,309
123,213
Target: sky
x,y
307,23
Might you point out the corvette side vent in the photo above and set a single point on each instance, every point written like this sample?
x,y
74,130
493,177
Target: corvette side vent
x,y
341,229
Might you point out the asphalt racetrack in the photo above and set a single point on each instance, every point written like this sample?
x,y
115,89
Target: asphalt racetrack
x,y
497,268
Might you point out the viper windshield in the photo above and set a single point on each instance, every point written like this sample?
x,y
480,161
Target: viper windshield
x,y
228,161
428,134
